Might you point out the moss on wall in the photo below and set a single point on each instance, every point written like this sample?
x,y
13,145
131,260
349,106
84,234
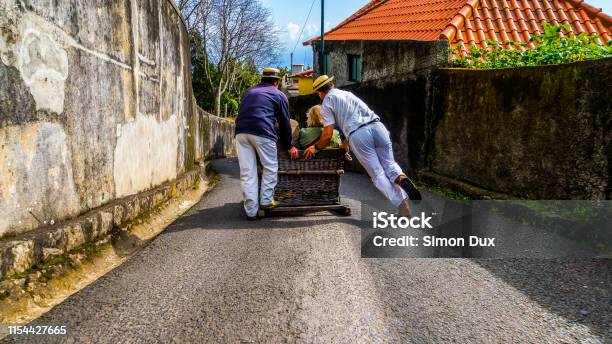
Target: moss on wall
x,y
95,104
536,132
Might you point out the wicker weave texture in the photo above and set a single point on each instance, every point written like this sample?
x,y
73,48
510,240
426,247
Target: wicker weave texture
x,y
325,160
301,182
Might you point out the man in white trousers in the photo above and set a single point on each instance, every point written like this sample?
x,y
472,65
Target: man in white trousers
x,y
261,107
368,139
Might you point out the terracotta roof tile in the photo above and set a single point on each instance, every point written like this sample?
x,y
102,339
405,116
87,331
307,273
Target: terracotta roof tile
x,y
469,21
306,73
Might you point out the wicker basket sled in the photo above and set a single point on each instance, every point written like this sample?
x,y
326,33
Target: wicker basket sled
x,y
310,185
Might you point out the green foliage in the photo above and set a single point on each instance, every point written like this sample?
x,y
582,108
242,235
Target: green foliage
x,y
248,76
229,103
550,48
283,71
201,89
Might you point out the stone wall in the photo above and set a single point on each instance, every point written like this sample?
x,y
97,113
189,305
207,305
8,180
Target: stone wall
x,y
216,138
383,60
538,132
95,105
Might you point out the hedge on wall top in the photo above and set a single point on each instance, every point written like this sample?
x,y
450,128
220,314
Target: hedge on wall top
x,y
550,48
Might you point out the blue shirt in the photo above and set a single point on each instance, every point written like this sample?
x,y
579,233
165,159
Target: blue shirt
x,y
261,106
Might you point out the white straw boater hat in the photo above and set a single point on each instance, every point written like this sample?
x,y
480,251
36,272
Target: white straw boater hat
x,y
320,81
271,73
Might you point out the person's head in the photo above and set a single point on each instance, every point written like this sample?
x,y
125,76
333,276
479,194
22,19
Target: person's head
x,y
271,76
271,81
323,90
322,85
314,117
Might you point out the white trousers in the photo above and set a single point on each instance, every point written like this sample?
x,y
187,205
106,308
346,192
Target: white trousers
x,y
372,147
249,147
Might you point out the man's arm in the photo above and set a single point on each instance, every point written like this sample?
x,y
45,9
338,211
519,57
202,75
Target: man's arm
x,y
284,124
323,141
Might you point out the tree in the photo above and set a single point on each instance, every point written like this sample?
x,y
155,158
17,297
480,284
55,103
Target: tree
x,y
234,35
201,88
193,11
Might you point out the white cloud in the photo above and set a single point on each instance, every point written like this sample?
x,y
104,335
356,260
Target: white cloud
x,y
311,31
293,30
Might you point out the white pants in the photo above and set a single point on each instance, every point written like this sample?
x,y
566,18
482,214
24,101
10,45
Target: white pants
x,y
249,147
372,147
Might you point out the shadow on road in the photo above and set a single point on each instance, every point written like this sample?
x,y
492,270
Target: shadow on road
x,y
579,290
230,216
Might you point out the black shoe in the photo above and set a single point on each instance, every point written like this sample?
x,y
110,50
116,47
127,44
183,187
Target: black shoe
x,y
413,193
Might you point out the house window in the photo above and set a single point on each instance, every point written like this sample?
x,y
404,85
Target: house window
x,y
328,64
354,64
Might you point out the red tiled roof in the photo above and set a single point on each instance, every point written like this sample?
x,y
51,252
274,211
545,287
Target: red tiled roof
x,y
468,21
306,73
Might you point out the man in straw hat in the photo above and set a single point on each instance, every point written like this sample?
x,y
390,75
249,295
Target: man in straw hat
x,y
368,139
260,108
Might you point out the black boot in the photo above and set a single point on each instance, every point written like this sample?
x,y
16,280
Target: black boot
x,y
413,193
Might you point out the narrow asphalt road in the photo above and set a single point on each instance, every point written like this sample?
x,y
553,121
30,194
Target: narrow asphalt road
x,y
214,277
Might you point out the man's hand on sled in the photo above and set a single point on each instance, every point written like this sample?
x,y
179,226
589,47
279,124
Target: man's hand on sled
x,y
310,152
345,146
294,153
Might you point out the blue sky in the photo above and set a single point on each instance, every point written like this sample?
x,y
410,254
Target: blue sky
x,y
289,17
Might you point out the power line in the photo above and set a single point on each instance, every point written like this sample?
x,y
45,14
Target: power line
x,y
303,27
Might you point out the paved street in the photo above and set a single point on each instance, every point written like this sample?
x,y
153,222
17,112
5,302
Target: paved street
x,y
214,277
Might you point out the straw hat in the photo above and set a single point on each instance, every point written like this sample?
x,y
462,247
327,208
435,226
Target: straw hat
x,y
320,81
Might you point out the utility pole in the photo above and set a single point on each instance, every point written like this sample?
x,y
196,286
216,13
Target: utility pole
x,y
291,65
321,52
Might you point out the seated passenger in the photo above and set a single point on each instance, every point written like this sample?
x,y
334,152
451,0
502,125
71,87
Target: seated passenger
x,y
295,132
310,135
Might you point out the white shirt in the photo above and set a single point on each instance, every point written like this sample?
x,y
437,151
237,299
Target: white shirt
x,y
344,109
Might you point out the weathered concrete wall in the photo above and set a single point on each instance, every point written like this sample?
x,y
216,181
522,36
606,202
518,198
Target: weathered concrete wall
x,y
539,132
216,138
95,104
385,60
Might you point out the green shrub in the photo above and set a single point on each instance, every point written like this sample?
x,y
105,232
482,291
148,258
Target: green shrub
x,y
550,48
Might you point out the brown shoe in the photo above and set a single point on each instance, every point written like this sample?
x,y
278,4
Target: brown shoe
x,y
404,208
